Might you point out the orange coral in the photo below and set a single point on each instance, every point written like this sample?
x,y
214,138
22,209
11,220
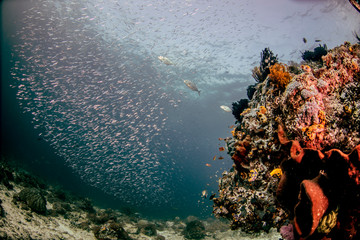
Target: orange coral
x,y
312,131
322,117
262,110
279,75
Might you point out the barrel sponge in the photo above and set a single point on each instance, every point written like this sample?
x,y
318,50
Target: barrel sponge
x,y
34,199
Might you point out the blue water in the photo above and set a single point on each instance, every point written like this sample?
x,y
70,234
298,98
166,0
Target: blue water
x,y
87,103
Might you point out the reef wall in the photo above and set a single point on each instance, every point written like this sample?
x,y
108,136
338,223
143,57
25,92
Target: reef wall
x,y
296,150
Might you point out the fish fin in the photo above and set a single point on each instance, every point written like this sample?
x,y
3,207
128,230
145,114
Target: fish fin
x,y
198,92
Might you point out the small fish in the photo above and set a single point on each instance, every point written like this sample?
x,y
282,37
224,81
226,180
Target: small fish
x,y
232,126
221,157
214,158
208,165
317,40
212,196
221,139
221,149
253,175
204,194
165,60
192,86
304,40
225,108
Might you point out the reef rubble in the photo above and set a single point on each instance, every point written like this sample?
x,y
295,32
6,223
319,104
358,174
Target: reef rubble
x,y
296,150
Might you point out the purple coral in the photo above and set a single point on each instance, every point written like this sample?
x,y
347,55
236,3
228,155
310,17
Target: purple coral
x,y
287,232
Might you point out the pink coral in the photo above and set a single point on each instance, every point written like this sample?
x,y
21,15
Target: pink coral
x,y
325,91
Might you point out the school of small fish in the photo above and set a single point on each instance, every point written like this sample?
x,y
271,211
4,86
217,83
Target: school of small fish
x,y
99,104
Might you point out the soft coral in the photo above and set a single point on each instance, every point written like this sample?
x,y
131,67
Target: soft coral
x,y
279,75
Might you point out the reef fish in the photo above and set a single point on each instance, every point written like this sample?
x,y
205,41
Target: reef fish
x,y
204,194
192,86
165,60
225,108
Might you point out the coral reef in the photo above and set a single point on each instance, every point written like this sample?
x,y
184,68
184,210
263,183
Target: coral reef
x,y
329,187
238,107
308,180
194,230
267,60
6,176
111,230
147,228
33,198
287,232
249,207
250,91
316,54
